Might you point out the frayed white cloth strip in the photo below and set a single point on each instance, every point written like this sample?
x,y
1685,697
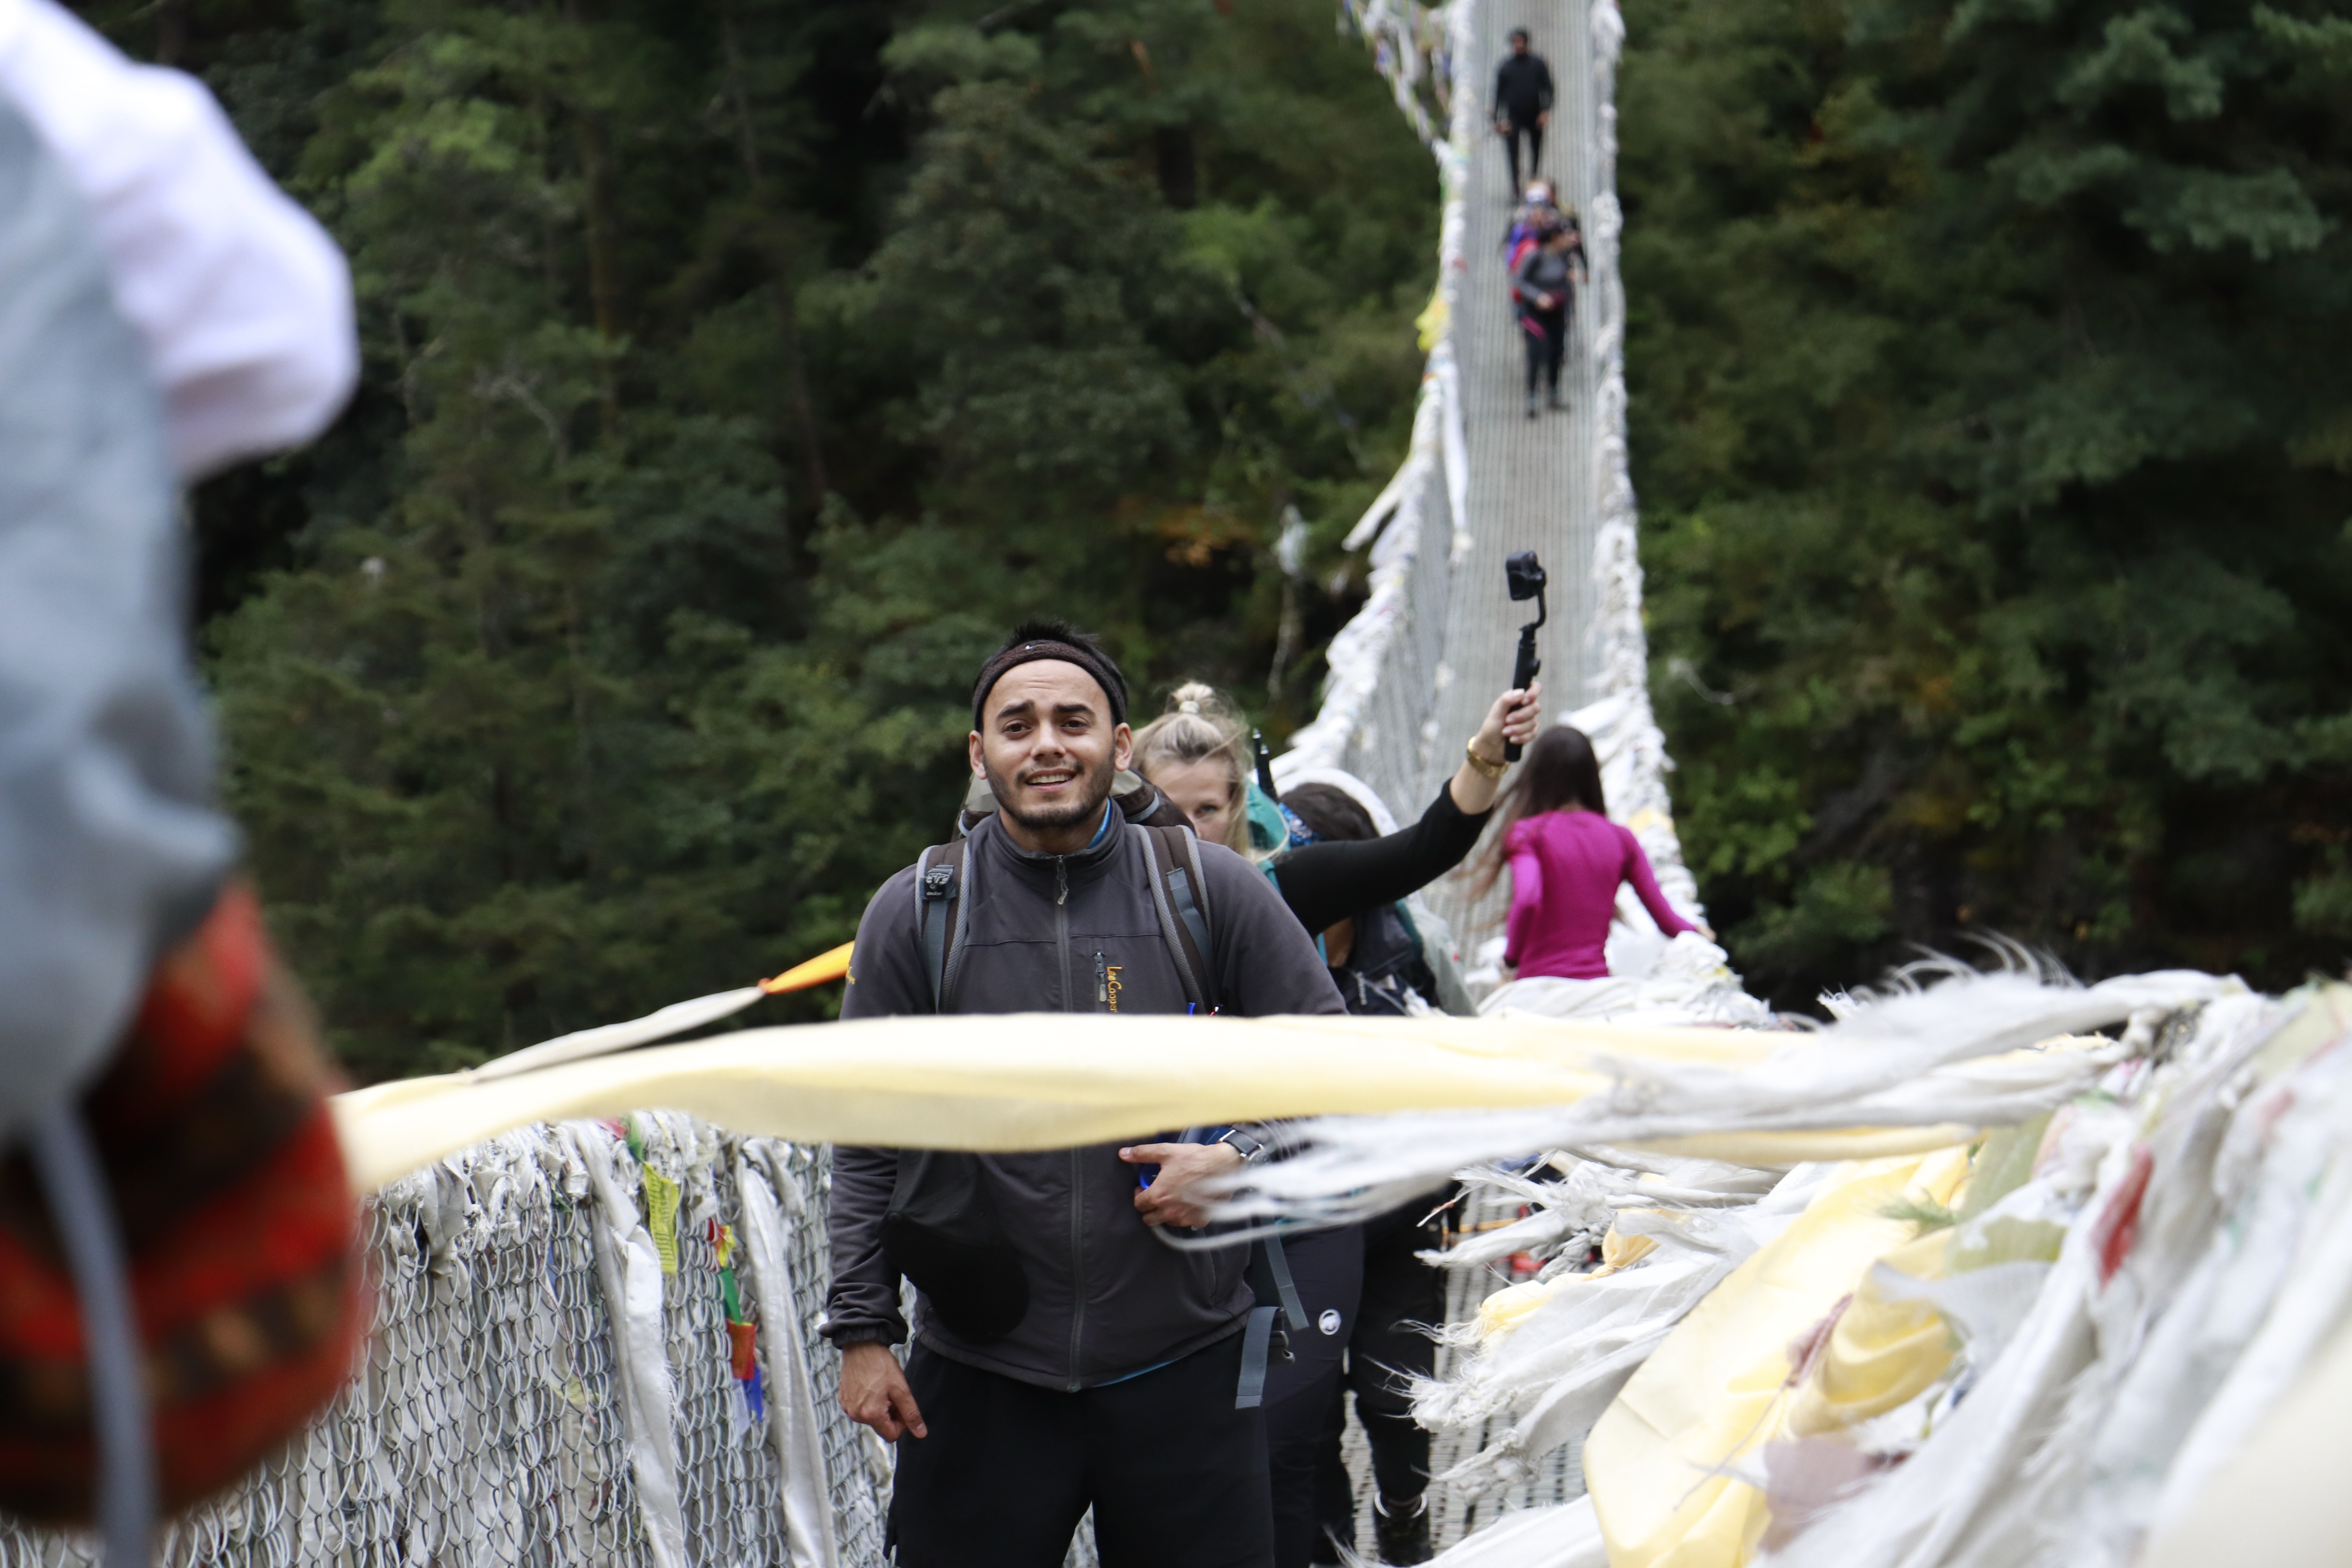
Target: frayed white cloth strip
x,y
629,1270
1686,980
1951,1059
1552,1374
1566,1536
793,1425
2090,1418
581,1044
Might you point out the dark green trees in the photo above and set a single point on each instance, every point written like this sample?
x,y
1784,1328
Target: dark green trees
x,y
1990,379
737,371
736,374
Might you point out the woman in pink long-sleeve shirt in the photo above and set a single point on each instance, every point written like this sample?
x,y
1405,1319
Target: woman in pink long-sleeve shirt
x,y
1565,860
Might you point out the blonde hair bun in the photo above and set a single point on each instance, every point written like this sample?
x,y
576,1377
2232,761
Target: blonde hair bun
x,y
1199,727
1195,696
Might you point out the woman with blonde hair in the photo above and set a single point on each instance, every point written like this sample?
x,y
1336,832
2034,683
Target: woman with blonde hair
x,y
1197,755
1364,1285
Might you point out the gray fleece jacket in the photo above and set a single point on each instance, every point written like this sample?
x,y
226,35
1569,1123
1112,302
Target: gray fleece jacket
x,y
1070,933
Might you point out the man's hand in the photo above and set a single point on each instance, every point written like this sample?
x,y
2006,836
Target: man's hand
x,y
1181,1165
1543,119
874,1391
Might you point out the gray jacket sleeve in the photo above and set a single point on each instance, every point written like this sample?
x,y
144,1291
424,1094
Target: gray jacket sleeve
x,y
886,980
110,847
1266,963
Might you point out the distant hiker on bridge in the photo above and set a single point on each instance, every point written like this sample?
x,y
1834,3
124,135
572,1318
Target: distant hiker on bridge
x,y
1543,290
1529,221
179,1287
1523,99
1065,1357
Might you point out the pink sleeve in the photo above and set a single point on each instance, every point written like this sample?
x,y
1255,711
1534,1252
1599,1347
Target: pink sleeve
x,y
1645,887
1526,894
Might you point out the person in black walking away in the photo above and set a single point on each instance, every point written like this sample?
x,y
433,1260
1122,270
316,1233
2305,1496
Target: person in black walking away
x,y
1065,1357
1522,106
1544,290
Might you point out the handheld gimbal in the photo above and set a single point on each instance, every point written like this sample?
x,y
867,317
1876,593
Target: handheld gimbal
x,y
1525,574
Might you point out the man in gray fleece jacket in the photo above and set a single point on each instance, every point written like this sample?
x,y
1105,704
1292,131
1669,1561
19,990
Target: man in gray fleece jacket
x,y
1115,1390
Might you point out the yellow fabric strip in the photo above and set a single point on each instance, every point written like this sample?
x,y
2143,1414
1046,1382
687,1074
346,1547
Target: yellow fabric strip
x,y
1024,1081
1720,1387
661,1217
827,966
1047,1081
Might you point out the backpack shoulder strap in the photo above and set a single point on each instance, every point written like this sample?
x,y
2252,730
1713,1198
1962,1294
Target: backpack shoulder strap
x,y
1275,1303
938,909
1181,898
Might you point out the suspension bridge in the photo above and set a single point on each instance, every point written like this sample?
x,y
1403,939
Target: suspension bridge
x,y
1993,1269
534,1395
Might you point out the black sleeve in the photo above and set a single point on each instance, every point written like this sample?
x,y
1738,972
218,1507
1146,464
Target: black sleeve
x,y
1266,963
886,980
1326,883
1543,86
886,964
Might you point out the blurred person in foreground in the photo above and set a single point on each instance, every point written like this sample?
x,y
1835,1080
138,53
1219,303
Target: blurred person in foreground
x,y
1065,1357
164,310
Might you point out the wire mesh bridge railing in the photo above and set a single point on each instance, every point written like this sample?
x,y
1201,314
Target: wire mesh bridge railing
x,y
552,1378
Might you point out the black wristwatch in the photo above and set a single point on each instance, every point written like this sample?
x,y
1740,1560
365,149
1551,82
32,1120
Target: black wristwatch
x,y
1251,1150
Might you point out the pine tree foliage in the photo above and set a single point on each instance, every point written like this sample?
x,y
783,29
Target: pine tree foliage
x,y
735,372
1992,413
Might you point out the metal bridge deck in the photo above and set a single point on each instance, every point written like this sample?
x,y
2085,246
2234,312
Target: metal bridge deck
x,y
1532,484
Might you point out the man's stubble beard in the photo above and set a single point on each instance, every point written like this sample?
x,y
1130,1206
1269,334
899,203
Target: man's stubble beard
x,y
1086,808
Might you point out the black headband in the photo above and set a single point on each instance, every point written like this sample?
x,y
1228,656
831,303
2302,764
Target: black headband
x,y
1092,660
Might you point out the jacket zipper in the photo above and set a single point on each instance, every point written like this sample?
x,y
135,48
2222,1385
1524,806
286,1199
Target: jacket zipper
x,y
1078,1266
1061,927
1077,1165
1102,983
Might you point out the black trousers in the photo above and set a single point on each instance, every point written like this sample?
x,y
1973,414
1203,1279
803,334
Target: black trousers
x,y
1176,1476
1545,334
1384,1354
1533,134
1302,1397
1297,1430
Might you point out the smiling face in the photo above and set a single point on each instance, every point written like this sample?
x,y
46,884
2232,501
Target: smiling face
x,y
1050,754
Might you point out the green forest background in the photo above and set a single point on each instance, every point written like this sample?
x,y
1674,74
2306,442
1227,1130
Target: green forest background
x,y
737,371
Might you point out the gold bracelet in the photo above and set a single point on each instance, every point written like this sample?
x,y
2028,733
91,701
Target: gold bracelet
x,y
1487,769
